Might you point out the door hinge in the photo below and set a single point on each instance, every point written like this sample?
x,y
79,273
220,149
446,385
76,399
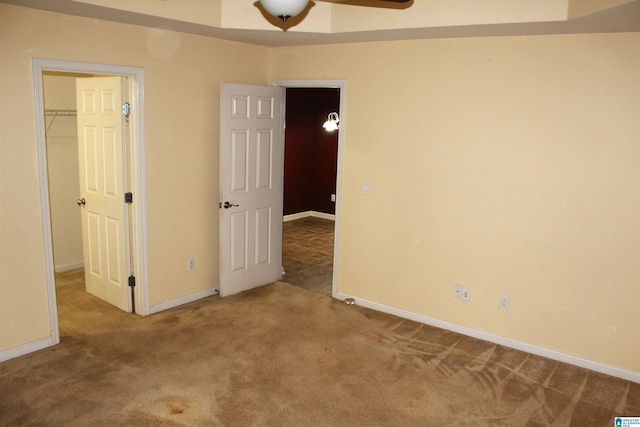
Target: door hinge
x,y
132,281
126,109
128,197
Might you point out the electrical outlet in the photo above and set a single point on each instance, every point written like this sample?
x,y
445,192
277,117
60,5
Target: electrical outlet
x,y
457,291
505,301
466,294
191,264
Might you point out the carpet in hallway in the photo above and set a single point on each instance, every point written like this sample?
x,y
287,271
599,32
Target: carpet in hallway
x,y
307,253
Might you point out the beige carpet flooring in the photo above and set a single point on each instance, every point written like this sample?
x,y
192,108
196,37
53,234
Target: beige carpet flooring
x,y
281,355
307,253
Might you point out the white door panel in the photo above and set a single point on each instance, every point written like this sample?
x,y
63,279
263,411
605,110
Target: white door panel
x,y
102,175
251,155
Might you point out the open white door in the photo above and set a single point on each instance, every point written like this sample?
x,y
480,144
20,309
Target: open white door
x,y
251,155
102,185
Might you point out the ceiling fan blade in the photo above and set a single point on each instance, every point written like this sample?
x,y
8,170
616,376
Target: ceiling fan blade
x,y
286,9
355,1
394,4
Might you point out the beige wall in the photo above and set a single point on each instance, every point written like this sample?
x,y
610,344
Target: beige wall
x,y
182,78
62,165
509,165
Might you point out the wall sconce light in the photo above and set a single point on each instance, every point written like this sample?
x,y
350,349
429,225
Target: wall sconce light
x,y
284,9
332,123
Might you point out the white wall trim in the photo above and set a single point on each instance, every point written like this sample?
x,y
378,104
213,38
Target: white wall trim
x,y
183,300
496,339
27,348
307,214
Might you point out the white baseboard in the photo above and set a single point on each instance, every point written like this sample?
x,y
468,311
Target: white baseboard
x,y
315,214
68,267
180,301
27,348
507,342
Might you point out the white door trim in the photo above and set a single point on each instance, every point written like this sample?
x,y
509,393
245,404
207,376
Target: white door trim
x,y
332,84
137,178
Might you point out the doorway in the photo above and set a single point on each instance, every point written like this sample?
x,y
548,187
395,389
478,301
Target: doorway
x,y
74,243
311,229
61,116
310,163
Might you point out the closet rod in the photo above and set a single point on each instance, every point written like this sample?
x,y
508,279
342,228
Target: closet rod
x,y
57,113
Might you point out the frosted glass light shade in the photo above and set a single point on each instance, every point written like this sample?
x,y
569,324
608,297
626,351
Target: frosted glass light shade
x,y
284,9
332,123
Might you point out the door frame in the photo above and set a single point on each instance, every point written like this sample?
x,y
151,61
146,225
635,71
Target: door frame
x,y
342,86
138,222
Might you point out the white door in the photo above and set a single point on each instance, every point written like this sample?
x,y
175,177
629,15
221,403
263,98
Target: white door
x,y
101,151
251,155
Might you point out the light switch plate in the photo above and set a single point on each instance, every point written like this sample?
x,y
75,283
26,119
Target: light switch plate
x,y
366,188
457,291
505,302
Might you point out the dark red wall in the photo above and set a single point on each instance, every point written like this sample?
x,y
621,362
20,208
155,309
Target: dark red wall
x,y
311,153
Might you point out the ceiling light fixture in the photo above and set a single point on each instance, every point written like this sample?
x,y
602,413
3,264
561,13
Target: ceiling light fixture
x,y
332,123
284,9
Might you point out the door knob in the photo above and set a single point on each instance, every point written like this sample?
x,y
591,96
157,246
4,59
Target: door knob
x,y
228,205
82,202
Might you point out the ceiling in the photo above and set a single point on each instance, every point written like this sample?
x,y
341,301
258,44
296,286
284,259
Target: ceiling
x,y
327,23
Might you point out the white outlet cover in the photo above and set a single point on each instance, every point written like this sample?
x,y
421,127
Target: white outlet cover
x,y
466,294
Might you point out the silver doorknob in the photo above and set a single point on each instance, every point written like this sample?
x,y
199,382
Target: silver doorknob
x,y
228,205
82,202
